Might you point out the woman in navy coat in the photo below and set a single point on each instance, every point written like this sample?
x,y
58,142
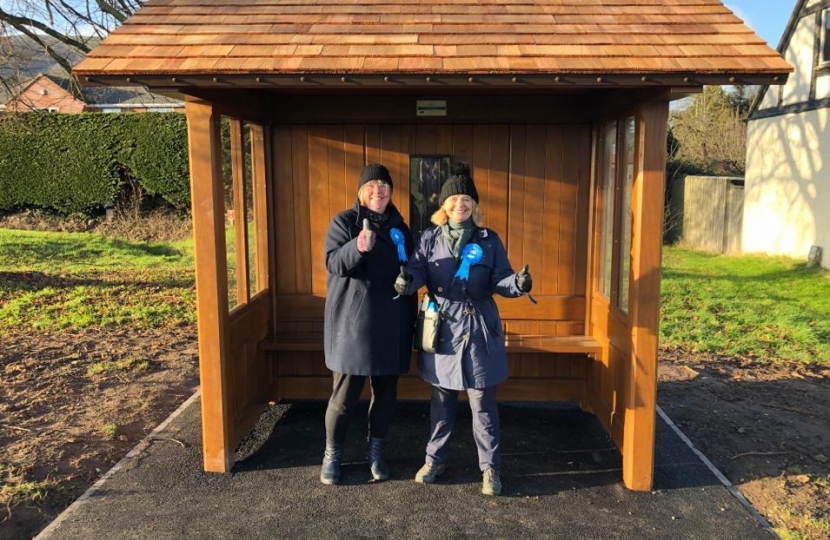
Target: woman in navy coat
x,y
367,331
470,354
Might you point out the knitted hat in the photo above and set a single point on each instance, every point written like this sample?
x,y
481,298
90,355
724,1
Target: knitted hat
x,y
373,171
460,183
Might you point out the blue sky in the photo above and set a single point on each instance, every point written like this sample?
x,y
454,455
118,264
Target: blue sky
x,y
767,17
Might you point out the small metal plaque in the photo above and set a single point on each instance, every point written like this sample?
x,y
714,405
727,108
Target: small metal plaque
x,y
431,108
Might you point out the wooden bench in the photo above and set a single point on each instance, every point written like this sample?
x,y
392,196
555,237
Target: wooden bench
x,y
515,343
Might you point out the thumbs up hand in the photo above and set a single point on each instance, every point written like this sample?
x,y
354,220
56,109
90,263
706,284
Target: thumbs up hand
x,y
402,281
523,280
366,238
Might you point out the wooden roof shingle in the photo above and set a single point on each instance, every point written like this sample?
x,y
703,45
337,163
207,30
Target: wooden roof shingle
x,y
226,38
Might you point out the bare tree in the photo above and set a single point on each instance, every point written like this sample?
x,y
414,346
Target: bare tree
x,y
710,133
65,30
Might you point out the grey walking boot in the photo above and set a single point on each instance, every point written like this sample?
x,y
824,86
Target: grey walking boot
x,y
491,482
374,457
330,471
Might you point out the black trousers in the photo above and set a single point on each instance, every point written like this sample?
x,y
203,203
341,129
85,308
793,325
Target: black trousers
x,y
344,398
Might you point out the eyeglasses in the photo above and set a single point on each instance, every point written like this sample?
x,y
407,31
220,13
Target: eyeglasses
x,y
380,185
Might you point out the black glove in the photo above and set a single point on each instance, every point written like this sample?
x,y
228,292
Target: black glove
x,y
402,281
523,280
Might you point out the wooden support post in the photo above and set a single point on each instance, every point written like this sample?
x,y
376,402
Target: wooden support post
x,y
646,245
206,186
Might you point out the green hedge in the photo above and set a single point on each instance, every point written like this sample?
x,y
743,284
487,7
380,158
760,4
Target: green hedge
x,y
158,156
77,163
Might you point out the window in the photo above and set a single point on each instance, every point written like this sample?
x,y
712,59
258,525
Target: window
x,y
427,174
617,147
625,219
244,211
608,147
825,38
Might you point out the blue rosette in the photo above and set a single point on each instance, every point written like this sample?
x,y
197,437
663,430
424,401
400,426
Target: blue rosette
x,y
398,240
470,255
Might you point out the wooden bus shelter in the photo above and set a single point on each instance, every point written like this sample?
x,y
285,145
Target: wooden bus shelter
x,y
559,106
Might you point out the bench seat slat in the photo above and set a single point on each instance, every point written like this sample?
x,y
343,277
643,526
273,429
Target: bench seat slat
x,y
515,343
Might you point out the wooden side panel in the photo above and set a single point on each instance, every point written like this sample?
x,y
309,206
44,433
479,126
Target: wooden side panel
x,y
205,153
247,370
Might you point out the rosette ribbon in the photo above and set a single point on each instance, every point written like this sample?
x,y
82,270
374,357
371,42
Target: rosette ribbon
x,y
398,240
470,255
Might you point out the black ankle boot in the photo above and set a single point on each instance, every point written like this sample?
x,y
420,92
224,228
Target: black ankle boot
x,y
378,467
330,471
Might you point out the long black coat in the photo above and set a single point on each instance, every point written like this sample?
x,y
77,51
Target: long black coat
x,y
367,332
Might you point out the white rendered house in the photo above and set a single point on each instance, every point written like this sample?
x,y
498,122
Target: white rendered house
x,y
787,189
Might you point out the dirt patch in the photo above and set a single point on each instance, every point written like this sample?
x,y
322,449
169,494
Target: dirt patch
x,y
765,427
73,404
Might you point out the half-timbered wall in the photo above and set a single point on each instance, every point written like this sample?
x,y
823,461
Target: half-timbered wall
x,y
533,182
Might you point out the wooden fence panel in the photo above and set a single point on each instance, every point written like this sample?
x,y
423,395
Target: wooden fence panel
x,y
712,212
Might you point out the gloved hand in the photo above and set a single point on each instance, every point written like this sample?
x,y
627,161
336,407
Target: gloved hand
x,y
402,281
366,238
523,280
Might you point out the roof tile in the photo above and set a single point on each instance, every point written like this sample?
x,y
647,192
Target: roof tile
x,y
433,36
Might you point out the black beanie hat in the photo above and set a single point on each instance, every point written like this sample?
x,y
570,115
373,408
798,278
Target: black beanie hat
x,y
373,171
460,183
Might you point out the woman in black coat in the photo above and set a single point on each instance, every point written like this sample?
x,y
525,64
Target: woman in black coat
x,y
368,332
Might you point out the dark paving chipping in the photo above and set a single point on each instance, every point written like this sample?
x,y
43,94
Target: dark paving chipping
x,y
561,473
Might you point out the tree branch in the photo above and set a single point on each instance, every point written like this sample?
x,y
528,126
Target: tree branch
x,y
109,9
88,19
23,24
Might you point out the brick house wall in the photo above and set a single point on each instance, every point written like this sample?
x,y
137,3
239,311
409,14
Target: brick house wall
x,y
43,94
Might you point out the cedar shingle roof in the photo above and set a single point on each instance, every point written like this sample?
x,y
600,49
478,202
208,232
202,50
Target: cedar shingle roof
x,y
441,37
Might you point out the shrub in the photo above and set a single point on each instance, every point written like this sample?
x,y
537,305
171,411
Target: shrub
x,y
78,163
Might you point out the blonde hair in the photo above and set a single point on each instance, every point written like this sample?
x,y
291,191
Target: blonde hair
x,y
440,217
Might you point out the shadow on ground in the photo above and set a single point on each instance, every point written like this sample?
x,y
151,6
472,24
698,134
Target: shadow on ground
x,y
562,478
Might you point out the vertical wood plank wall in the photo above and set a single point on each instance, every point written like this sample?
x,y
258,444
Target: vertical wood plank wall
x,y
533,182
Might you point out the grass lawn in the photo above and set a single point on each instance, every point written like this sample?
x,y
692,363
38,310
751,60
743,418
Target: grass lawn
x,y
55,281
768,308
